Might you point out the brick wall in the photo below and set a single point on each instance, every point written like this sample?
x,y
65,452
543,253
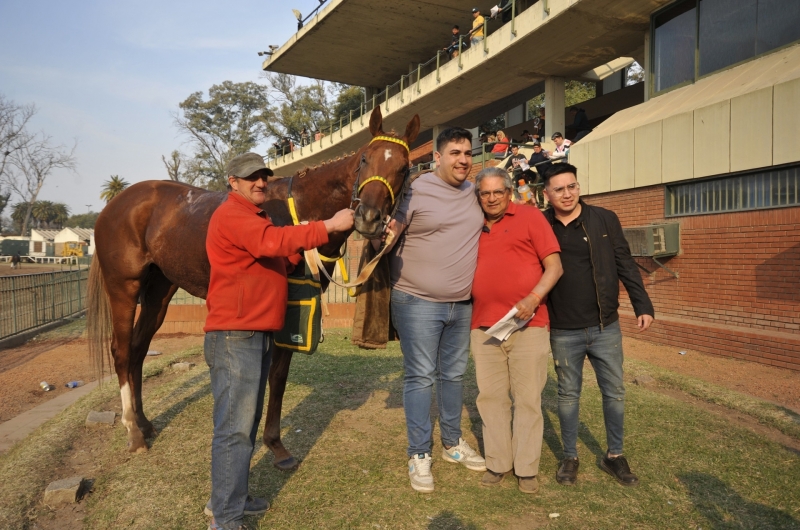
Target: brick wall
x,y
738,291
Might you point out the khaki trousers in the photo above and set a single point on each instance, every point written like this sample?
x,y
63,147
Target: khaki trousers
x,y
514,369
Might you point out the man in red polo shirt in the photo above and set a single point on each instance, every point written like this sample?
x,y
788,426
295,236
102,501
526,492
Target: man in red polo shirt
x,y
518,264
246,302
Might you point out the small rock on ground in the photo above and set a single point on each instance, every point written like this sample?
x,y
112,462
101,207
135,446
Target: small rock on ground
x,y
153,352
644,380
182,367
98,419
64,491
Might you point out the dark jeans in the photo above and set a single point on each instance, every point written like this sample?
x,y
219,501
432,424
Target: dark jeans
x,y
434,337
604,349
239,363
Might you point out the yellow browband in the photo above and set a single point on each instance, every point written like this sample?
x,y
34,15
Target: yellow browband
x,y
379,179
391,139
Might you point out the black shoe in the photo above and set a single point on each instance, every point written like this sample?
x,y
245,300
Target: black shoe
x,y
619,469
567,474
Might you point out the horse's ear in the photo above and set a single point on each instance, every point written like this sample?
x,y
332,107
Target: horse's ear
x,y
376,122
412,129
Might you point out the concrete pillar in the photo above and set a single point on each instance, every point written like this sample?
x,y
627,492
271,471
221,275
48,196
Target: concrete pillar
x,y
554,96
436,130
476,141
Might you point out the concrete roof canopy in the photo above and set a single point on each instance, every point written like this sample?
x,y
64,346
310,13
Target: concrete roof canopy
x,y
371,43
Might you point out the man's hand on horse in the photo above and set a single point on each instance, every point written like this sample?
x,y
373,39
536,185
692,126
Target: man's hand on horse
x,y
341,221
395,228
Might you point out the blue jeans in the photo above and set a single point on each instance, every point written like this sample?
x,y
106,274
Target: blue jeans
x,y
434,337
604,348
239,363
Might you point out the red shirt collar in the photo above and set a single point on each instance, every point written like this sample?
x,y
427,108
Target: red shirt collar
x,y
511,209
244,202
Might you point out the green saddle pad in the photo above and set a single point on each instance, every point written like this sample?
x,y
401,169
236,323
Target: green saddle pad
x,y
302,329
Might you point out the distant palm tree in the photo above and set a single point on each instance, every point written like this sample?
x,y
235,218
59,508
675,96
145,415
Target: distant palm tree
x,y
43,212
60,214
113,187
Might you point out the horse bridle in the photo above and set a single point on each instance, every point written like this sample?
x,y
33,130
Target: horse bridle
x,y
357,187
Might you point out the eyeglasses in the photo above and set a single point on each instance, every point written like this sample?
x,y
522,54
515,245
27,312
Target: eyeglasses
x,y
558,192
253,178
497,194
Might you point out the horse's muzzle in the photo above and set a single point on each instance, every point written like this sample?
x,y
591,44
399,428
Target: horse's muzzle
x,y
369,221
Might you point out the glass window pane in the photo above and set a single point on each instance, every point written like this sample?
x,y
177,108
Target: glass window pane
x,y
674,45
778,24
727,33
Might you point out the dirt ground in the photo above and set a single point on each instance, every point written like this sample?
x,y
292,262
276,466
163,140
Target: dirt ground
x,y
779,385
58,361
65,358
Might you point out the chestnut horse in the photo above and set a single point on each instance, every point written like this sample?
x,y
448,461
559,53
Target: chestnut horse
x,y
150,240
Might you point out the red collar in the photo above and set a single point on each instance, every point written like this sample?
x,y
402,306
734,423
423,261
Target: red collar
x,y
244,202
511,209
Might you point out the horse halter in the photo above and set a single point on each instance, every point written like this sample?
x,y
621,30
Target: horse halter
x,y
376,178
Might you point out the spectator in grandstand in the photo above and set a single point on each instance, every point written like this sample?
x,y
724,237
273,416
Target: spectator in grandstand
x,y
562,146
539,159
304,136
538,127
580,123
518,165
501,146
525,137
476,33
453,50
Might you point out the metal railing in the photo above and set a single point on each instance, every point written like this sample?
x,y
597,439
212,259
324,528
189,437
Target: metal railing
x,y
28,301
412,81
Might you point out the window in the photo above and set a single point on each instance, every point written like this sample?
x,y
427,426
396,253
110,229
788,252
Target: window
x,y
693,38
675,34
770,188
727,33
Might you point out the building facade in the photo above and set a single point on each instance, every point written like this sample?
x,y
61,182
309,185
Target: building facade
x,y
706,147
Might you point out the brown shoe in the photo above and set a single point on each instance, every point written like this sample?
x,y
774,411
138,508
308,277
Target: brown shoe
x,y
490,478
528,484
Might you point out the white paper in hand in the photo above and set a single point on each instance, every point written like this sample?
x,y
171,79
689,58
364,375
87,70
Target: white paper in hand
x,y
506,325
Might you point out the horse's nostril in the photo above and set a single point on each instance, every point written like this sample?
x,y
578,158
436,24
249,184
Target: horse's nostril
x,y
370,215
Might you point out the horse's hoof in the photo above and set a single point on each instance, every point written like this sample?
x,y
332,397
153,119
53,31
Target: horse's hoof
x,y
290,464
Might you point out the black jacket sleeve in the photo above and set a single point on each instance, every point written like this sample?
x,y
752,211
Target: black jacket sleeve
x,y
627,270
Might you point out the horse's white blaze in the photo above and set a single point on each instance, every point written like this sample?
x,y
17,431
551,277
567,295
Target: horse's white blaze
x,y
387,154
127,405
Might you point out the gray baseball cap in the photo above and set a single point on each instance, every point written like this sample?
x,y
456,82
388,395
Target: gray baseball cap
x,y
245,165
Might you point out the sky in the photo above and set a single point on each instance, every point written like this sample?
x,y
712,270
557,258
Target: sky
x,y
109,75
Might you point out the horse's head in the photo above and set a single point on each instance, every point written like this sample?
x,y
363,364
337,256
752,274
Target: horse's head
x,y
381,173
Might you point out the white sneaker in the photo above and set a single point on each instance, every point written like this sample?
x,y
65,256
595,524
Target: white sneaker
x,y
464,454
419,471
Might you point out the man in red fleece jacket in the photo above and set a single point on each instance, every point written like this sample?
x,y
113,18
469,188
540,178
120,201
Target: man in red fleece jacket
x,y
246,302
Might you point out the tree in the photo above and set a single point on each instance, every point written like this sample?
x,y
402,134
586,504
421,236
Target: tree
x,y
13,129
113,187
181,169
350,98
30,165
60,214
82,220
575,92
233,120
634,74
43,212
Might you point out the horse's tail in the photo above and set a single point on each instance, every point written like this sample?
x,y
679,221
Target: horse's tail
x,y
98,320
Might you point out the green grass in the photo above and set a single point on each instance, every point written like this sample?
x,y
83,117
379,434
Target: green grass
x,y
343,417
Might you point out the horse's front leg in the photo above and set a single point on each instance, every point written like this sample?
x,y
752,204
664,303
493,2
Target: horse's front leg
x,y
278,372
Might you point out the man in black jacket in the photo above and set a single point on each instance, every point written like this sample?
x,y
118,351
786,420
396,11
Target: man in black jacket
x,y
583,316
